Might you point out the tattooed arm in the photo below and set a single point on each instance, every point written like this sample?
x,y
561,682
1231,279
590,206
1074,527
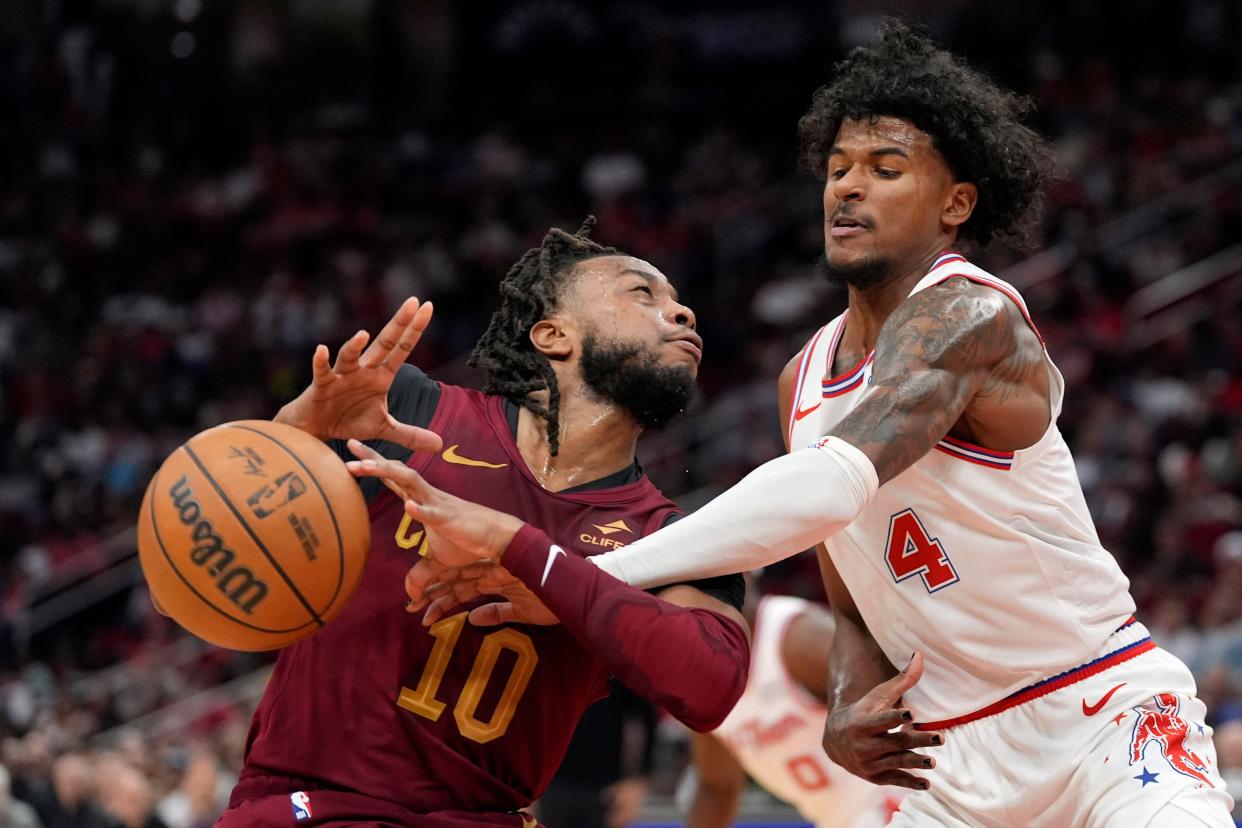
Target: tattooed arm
x,y
953,350
952,356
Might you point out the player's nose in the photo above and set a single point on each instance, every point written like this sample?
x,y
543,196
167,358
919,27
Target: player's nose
x,y
850,186
683,315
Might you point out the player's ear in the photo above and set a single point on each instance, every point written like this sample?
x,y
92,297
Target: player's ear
x,y
959,203
552,337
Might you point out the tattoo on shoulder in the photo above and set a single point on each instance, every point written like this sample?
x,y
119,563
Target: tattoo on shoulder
x,y
936,351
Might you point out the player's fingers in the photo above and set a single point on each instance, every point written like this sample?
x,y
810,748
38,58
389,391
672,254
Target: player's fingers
x,y
366,468
418,440
901,760
455,594
439,608
885,720
909,738
900,779
409,337
890,692
371,463
491,615
388,337
418,580
347,357
875,745
484,574
321,370
426,514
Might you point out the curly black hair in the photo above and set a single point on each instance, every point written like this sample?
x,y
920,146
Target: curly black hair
x,y
973,123
530,291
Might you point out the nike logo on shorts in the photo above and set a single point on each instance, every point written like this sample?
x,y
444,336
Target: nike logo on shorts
x,y
1091,710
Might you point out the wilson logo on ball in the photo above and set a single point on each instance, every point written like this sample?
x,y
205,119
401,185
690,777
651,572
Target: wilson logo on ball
x,y
237,583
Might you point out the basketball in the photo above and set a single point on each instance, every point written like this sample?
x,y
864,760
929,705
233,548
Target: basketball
x,y
253,535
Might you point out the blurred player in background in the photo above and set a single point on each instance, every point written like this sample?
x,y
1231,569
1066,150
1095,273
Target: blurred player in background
x,y
377,720
775,732
603,780
925,453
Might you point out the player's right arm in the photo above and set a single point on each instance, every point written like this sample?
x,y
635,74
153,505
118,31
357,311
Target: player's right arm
x,y
349,399
719,783
939,351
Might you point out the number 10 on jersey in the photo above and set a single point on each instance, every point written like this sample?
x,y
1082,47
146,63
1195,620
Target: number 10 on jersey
x,y
422,698
911,551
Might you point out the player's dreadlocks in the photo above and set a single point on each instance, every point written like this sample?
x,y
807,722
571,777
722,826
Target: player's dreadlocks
x,y
974,124
529,292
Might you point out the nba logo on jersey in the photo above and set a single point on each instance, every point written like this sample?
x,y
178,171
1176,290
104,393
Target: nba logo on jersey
x,y
301,805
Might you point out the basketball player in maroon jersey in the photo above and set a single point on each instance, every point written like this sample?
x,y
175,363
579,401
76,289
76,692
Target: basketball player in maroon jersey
x,y
377,720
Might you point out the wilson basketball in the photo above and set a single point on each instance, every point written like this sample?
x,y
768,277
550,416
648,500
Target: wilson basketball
x,y
253,535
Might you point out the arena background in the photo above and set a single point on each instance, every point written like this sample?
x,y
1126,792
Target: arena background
x,y
193,193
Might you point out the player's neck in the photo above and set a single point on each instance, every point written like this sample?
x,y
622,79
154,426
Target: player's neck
x,y
870,307
596,439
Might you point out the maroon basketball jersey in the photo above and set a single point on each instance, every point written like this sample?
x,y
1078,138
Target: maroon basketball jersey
x,y
450,717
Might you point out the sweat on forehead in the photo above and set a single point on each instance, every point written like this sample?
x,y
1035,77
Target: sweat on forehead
x,y
599,271
880,132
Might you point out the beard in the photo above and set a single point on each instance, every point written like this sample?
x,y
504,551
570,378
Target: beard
x,y
862,274
633,378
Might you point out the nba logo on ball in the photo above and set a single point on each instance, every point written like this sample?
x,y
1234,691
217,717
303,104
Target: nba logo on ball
x,y
301,805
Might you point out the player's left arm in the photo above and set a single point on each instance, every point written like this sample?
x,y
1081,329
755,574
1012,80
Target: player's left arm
x,y
687,651
683,649
936,352
720,781
805,648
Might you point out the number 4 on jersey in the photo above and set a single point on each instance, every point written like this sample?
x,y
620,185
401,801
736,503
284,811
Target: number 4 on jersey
x,y
912,552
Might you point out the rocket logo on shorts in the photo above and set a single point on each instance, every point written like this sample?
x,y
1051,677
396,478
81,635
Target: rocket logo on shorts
x,y
301,805
1163,727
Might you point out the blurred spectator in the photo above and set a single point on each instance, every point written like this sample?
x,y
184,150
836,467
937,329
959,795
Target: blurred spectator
x,y
71,803
201,796
126,794
13,812
1228,740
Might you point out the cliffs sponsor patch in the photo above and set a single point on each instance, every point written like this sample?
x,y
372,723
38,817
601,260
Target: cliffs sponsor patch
x,y
604,539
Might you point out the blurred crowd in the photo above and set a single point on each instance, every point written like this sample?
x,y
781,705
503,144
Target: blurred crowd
x,y
194,194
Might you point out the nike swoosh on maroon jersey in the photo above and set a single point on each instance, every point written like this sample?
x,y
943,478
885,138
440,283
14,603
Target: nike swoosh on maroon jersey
x,y
1091,710
798,415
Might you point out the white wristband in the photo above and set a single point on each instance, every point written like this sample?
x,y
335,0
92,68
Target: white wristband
x,y
781,508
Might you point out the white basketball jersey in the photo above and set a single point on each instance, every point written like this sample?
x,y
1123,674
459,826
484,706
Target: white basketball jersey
x,y
985,561
776,732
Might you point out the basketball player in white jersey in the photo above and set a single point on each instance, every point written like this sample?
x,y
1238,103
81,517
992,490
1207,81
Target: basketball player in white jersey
x,y
774,731
924,453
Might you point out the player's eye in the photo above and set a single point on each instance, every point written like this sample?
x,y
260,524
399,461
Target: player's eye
x,y
884,172
644,289
838,173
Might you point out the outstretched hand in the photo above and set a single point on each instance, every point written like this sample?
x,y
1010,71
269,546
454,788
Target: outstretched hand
x,y
459,533
874,737
440,590
349,399
464,543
